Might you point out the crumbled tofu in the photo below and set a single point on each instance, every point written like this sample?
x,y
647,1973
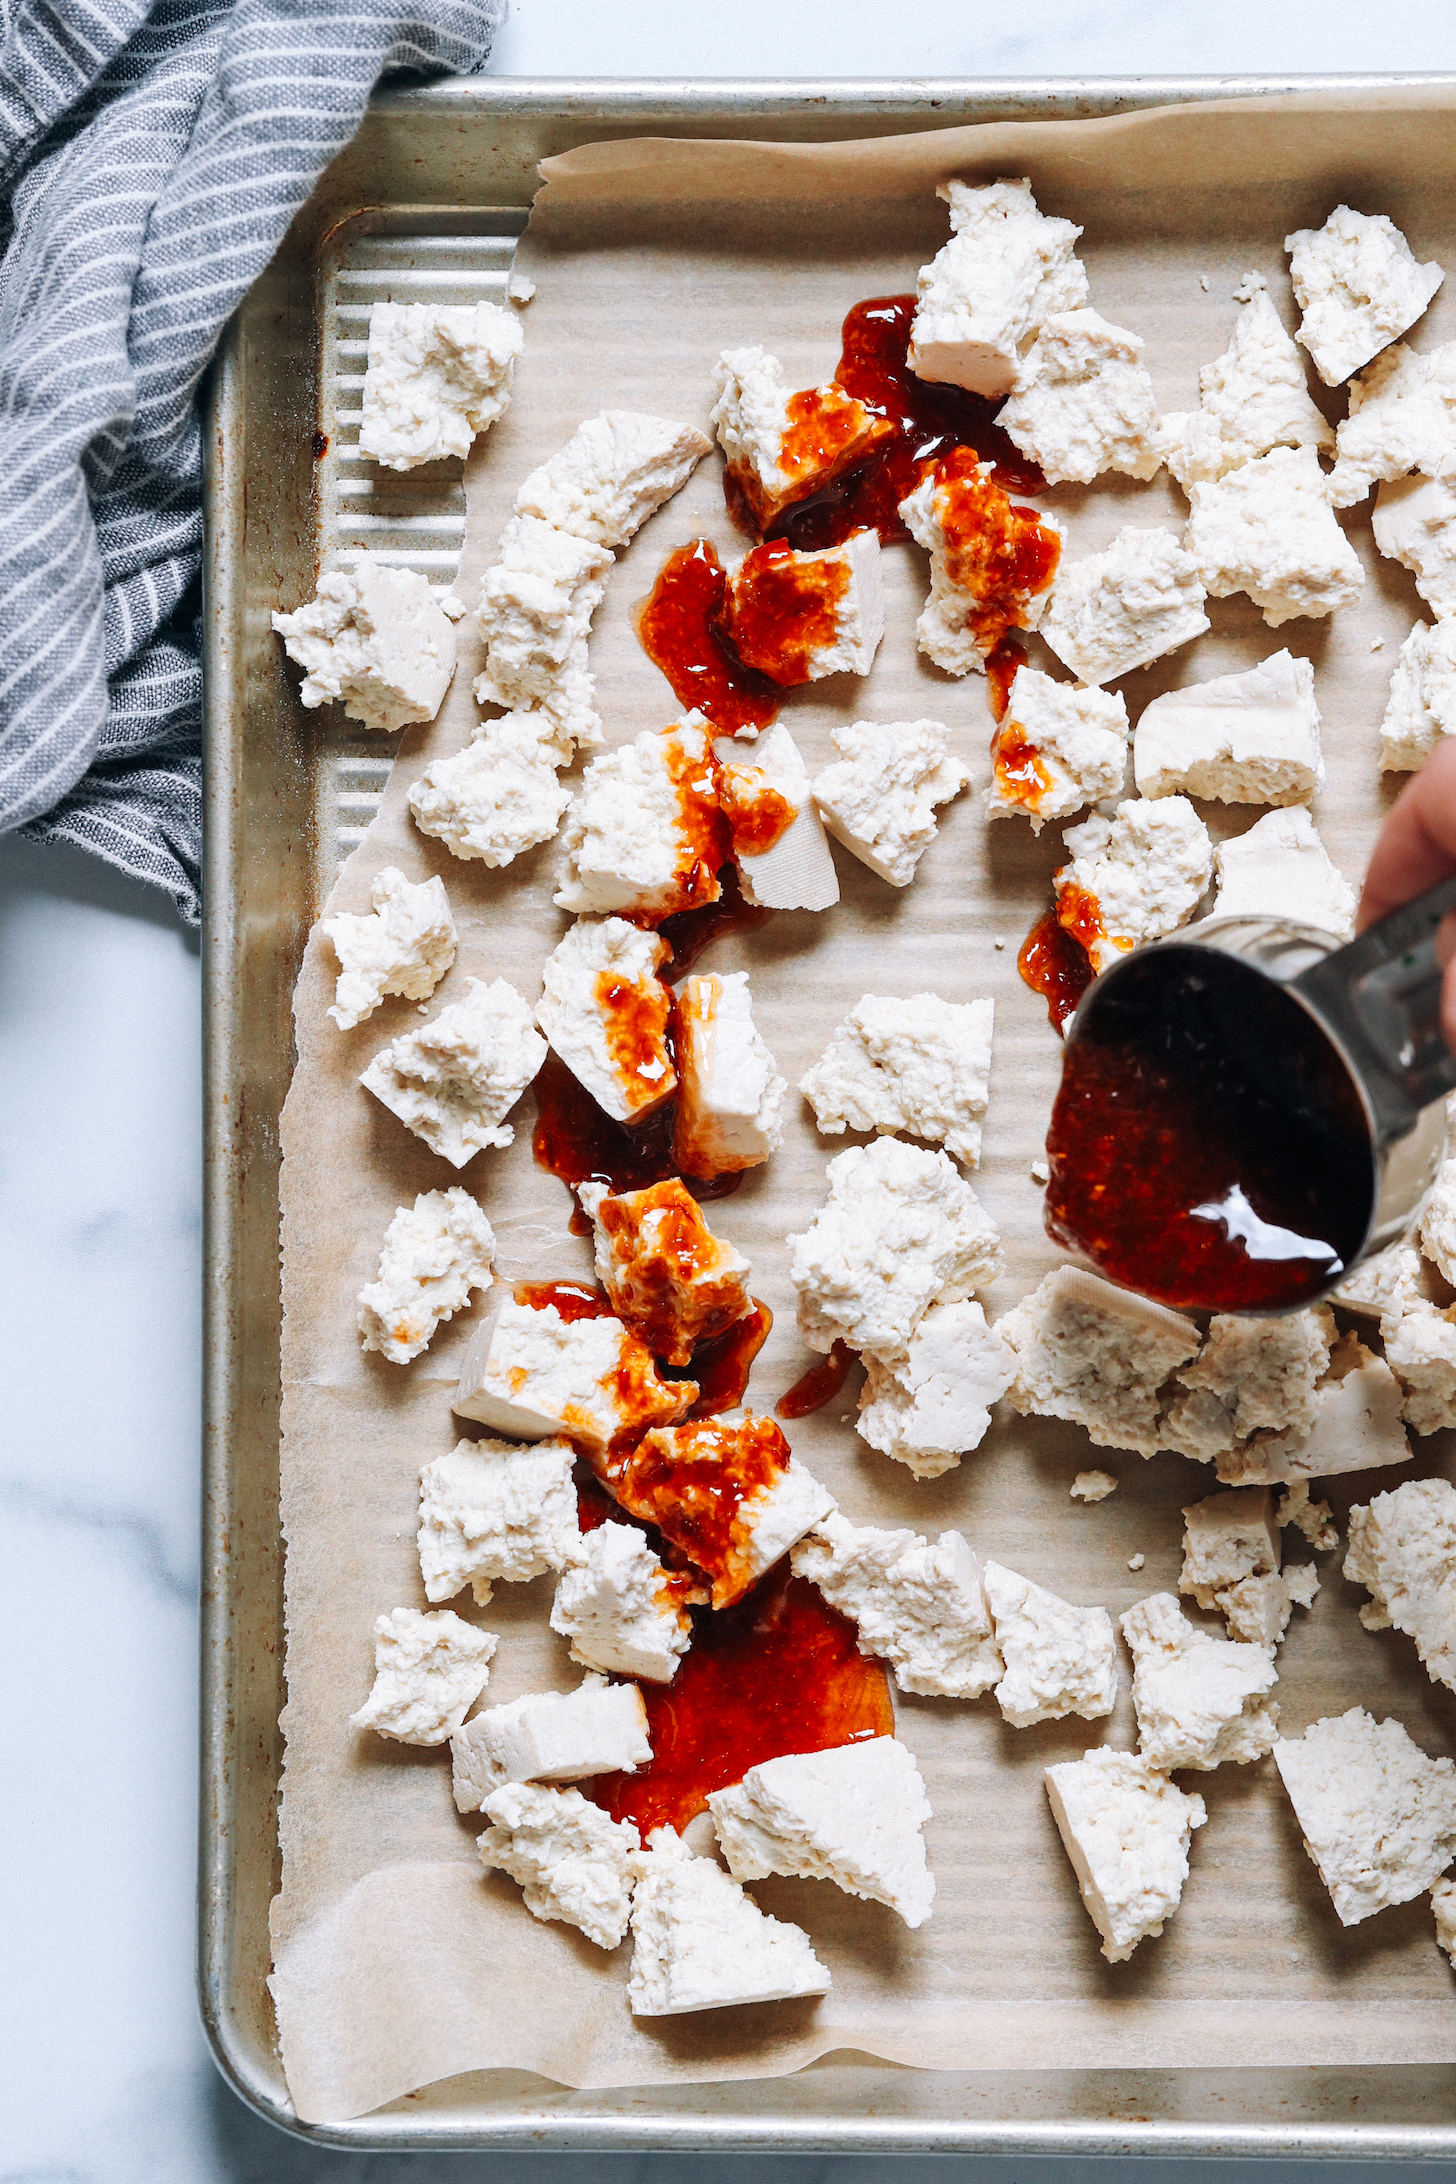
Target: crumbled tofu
x,y
781,447
536,605
1240,739
900,1232
1388,1282
563,713
1415,524
435,1253
730,1095
1251,1375
1060,1659
490,1510
454,1081
1281,869
1040,1172
1313,1518
1126,1830
1057,749
1268,529
1133,877
437,374
376,639
1226,1538
1437,1232
726,1493
573,1863
644,832
1199,1700
1421,708
1253,397
853,1815
1256,1610
797,617
404,944
921,1065
1356,1427
1114,611
988,292
1082,403
1402,418
1135,1562
1358,284
551,1736
498,796
606,1013
1443,1904
520,289
429,1670
1403,1551
1302,1580
530,1373
623,1612
1378,1817
1092,1486
613,473
779,847
928,1404
666,1274
992,561
1095,1355
919,1605
879,798
700,1942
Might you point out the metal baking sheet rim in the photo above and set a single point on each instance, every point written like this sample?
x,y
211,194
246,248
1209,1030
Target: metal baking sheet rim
x,y
257,879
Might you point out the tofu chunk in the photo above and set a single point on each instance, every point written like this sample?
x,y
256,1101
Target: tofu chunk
x,y
1437,1232
613,473
536,605
1226,1538
1403,1551
1420,1350
532,1374
435,1253
779,847
1095,1355
1256,1610
1199,1700
497,797
376,639
1390,1282
880,797
573,1863
492,1511
853,1816
1126,1830
929,1404
429,1670
1358,284
1421,708
900,1232
606,1013
918,1604
1240,739
1092,1486
992,561
1402,418
781,447
700,1942
644,832
1281,869
1253,397
404,944
1057,749
1377,1816
1251,1375
1268,529
1082,402
727,1493
437,374
666,1274
454,1081
921,1065
1140,597
1443,1905
730,1094
1060,1659
550,1736
988,292
1356,1426
797,617
1415,524
623,1612
1134,877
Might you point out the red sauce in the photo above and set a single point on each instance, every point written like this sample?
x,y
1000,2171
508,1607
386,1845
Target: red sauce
x,y
577,1140
827,433
1207,1147
635,1019
781,608
594,1505
1003,555
819,1385
1080,914
928,421
679,629
1003,665
692,1483
757,815
573,1300
704,840
721,1367
1056,965
1017,764
780,1672
691,931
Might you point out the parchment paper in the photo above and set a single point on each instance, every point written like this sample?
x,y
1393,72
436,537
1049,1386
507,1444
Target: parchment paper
x,y
397,1962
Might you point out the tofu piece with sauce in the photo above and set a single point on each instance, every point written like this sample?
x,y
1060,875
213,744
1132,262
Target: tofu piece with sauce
x,y
666,1274
727,1493
797,617
992,561
1058,747
780,447
730,1094
644,833
1134,877
779,844
606,1013
536,1376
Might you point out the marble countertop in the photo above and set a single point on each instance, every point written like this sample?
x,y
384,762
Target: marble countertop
x,y
106,2077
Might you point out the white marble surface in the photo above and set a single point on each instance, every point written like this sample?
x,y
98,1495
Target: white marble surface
x,y
104,2075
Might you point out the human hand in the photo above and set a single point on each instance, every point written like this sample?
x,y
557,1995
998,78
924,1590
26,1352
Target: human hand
x,y
1417,850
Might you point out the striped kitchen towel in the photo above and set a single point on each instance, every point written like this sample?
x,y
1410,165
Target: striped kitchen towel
x,y
151,158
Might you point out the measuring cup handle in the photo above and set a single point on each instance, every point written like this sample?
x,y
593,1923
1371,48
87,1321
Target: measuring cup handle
x,y
1380,999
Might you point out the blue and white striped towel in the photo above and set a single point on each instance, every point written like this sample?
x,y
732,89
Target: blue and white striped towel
x,y
151,157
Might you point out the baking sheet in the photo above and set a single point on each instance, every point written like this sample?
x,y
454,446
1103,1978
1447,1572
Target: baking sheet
x,y
398,1962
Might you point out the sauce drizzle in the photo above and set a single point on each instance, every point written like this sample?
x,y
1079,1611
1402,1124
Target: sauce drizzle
x,y
578,1141
679,628
780,609
1054,964
818,1386
721,1366
691,931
